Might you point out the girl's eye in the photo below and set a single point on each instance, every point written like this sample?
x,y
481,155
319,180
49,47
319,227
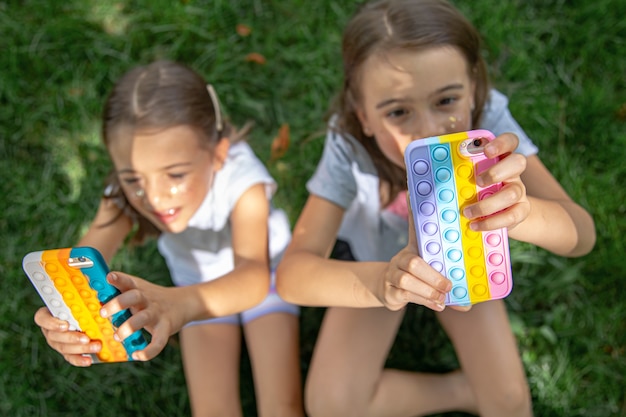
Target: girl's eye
x,y
177,176
394,114
447,101
130,181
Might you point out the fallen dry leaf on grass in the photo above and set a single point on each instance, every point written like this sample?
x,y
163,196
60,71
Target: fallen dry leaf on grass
x,y
255,57
243,30
280,144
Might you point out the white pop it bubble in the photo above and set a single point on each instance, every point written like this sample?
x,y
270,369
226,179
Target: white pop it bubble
x,y
441,182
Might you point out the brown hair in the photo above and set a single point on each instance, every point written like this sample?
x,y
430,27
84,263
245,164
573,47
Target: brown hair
x,y
154,97
382,26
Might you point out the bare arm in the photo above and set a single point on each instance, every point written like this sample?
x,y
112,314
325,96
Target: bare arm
x,y
555,222
248,283
163,311
105,234
305,275
532,204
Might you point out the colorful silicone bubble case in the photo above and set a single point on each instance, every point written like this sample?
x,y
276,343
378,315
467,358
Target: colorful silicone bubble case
x,y
72,283
441,181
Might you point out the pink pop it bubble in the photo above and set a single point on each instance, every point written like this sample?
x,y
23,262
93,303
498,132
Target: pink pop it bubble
x,y
493,239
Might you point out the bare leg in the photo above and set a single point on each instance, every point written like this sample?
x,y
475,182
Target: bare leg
x,y
347,375
211,355
273,345
487,351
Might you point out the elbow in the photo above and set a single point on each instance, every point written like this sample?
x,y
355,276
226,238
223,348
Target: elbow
x,y
586,239
283,278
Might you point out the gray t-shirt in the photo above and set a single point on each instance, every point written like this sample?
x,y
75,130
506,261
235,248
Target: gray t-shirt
x,y
347,177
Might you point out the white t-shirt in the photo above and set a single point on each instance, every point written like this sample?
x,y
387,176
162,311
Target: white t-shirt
x,y
347,177
203,251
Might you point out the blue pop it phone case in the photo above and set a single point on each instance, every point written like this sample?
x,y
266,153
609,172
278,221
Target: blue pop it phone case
x,y
72,283
440,176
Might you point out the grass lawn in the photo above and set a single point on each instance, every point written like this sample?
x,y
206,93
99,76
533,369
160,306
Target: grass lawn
x,y
562,63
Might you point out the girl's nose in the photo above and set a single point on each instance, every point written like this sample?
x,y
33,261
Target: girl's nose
x,y
427,126
154,194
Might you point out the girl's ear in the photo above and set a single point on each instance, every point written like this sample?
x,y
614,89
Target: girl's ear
x,y
363,120
220,152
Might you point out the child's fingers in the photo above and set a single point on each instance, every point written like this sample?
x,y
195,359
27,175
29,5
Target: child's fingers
x,y
403,296
121,281
156,346
72,343
78,360
420,271
507,169
143,319
45,320
415,281
506,197
508,218
502,145
159,331
130,297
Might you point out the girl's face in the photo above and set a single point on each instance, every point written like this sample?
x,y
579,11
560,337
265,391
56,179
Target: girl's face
x,y
407,95
166,174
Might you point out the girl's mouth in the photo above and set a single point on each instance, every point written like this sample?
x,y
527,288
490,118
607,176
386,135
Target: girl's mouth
x,y
167,216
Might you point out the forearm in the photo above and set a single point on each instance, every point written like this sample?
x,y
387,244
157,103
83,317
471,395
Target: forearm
x,y
561,227
308,279
239,290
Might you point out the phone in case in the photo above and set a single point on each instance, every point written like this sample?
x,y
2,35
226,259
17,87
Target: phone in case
x,y
441,174
72,282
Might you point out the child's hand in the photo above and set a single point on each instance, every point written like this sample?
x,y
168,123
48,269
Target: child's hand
x,y
509,206
155,308
409,279
71,344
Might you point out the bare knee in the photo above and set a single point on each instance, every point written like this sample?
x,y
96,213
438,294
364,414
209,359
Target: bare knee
x,y
331,400
509,399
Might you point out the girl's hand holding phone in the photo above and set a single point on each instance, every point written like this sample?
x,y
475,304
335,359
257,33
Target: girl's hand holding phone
x,y
409,279
158,309
509,206
75,347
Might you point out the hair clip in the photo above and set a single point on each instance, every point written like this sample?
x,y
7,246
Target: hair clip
x,y
216,107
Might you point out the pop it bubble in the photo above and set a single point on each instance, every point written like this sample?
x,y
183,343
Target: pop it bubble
x,y
440,176
72,283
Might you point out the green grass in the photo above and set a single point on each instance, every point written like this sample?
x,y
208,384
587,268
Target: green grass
x,y
561,62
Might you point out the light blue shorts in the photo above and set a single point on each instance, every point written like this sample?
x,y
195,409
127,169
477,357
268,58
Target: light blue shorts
x,y
272,304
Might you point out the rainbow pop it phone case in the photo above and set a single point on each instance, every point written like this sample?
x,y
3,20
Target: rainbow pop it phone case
x,y
440,175
72,283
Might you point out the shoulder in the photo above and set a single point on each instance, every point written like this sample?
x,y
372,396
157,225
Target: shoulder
x,y
498,119
241,161
342,147
242,170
